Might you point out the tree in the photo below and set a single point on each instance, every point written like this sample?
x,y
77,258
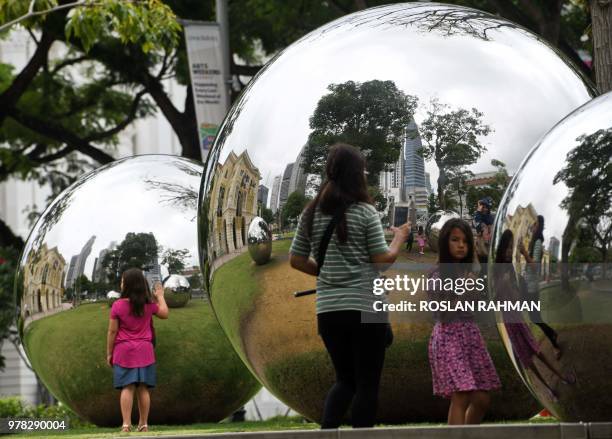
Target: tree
x,y
137,250
293,207
175,260
588,177
452,139
601,13
267,215
432,204
371,116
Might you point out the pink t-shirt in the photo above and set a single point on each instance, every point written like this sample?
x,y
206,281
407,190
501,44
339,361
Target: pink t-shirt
x,y
133,347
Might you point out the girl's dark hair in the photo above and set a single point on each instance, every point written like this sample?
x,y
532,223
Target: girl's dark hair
x,y
448,267
345,183
505,241
420,229
537,235
136,289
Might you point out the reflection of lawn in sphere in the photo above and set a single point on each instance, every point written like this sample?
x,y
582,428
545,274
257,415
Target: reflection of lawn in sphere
x,y
198,373
276,333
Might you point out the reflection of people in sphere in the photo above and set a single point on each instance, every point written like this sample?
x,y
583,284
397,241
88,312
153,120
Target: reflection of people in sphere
x,y
533,256
344,282
461,366
129,347
421,240
524,345
483,222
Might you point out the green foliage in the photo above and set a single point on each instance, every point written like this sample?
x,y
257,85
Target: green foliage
x,y
175,260
296,202
267,215
371,116
380,201
432,204
14,407
136,250
495,189
9,258
452,138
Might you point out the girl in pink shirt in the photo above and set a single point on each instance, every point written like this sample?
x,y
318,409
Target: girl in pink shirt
x,y
129,347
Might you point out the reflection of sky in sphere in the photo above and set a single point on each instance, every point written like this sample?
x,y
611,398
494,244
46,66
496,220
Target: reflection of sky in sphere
x,y
534,182
137,195
520,84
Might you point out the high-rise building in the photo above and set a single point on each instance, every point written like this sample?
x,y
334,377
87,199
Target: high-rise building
x,y
414,168
71,268
297,181
275,193
262,195
553,247
284,188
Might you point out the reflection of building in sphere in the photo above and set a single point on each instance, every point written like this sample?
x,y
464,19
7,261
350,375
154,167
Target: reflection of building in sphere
x,y
42,278
177,291
435,224
260,241
369,104
567,179
234,202
77,263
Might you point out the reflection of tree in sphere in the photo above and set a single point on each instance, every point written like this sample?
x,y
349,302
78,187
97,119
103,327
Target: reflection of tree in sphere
x,y
567,180
378,79
177,291
434,224
117,217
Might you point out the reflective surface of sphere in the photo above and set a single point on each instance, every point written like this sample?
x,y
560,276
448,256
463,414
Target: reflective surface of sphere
x,y
117,217
434,224
378,79
567,182
177,291
259,240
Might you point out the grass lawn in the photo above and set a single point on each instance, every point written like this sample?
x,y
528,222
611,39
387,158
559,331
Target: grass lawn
x,y
199,377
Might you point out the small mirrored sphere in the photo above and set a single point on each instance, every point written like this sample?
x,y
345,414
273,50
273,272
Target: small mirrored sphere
x,y
259,240
177,291
386,80
565,185
134,212
434,224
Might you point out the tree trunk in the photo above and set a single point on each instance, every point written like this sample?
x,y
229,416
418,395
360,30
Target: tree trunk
x,y
187,132
8,238
441,184
601,16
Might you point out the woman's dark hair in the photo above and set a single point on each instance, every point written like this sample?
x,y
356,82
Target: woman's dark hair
x,y
420,230
136,289
505,241
539,234
345,183
448,266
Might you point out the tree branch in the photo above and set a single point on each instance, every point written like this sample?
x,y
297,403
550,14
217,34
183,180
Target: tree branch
x,y
120,126
243,70
156,90
31,13
11,95
68,62
8,238
61,134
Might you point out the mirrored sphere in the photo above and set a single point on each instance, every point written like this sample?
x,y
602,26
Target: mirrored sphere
x,y
177,291
259,240
567,180
131,212
384,79
434,224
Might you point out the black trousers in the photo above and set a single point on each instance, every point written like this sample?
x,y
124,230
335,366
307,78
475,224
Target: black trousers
x,y
357,351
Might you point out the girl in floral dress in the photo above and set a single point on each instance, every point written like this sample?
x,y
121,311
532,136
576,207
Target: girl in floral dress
x,y
461,366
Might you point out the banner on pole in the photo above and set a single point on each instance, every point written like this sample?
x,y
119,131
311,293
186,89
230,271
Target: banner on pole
x,y
205,56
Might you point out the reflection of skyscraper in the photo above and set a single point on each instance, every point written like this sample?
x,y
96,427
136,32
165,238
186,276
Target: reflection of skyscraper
x,y
77,266
297,181
284,188
262,195
98,274
275,193
553,247
414,167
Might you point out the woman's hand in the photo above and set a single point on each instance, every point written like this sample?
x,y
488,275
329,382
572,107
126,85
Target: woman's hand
x,y
109,360
158,290
521,247
402,231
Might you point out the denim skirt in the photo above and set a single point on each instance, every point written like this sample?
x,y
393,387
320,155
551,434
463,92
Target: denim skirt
x,y
124,376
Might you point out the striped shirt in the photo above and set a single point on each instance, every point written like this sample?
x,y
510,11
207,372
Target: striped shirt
x,y
347,275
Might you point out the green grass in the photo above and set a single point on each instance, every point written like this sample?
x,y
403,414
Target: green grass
x,y
199,376
234,287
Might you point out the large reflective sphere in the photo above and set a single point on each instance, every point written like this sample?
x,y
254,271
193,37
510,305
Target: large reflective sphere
x,y
567,180
434,224
177,291
133,212
388,80
259,241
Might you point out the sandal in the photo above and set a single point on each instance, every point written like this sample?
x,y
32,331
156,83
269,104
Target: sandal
x,y
143,427
126,428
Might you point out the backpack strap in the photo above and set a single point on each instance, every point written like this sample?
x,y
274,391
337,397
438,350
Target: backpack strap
x,y
329,231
